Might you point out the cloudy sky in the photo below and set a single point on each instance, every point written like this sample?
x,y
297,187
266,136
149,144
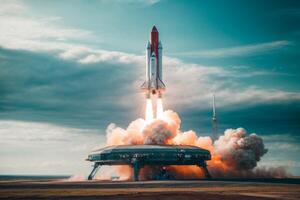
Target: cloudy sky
x,y
70,68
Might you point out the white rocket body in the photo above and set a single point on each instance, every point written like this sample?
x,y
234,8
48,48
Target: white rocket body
x,y
153,84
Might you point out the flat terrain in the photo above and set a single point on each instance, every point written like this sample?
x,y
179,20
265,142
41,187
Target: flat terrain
x,y
148,190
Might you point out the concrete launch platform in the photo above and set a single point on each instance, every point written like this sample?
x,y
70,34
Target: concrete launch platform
x,y
138,156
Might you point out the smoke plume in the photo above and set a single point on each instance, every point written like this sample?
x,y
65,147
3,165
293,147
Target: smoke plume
x,y
234,154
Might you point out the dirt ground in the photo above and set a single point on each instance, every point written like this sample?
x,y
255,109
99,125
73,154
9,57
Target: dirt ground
x,y
149,190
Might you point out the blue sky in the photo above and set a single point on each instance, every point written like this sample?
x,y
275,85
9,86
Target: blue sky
x,y
69,69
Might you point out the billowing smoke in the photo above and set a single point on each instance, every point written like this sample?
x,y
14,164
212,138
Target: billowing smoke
x,y
239,150
234,154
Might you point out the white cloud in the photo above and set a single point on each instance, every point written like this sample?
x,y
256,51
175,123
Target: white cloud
x,y
24,32
28,29
282,152
97,56
202,81
51,149
143,2
239,50
253,95
287,138
45,35
11,7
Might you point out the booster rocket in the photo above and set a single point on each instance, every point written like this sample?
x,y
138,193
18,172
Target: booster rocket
x,y
153,84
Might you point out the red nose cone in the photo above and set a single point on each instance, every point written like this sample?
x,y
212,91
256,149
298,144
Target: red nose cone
x,y
154,29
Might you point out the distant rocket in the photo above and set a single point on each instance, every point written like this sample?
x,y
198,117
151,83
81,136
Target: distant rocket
x,y
153,84
214,121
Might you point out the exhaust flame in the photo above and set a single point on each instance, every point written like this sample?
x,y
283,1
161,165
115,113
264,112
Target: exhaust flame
x,y
159,108
149,111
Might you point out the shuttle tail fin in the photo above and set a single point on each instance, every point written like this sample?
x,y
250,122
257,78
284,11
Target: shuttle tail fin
x,y
145,85
160,84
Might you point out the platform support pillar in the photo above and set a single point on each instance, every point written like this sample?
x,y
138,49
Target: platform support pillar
x,y
136,169
94,171
206,172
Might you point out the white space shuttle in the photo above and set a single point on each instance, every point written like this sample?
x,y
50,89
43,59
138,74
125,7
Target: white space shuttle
x,y
153,84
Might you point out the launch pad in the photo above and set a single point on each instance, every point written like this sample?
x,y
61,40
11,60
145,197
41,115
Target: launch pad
x,y
138,156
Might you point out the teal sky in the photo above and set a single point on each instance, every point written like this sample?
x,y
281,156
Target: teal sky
x,y
70,68
196,26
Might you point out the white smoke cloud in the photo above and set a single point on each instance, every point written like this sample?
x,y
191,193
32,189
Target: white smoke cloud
x,y
236,148
234,154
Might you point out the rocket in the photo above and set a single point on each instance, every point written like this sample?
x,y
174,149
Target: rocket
x,y
153,84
